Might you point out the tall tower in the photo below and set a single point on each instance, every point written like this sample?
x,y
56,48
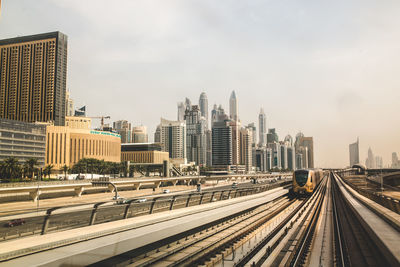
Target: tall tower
x,y
370,162
196,138
173,138
203,104
354,153
233,107
262,126
33,78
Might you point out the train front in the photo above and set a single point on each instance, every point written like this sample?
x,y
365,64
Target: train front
x,y
301,183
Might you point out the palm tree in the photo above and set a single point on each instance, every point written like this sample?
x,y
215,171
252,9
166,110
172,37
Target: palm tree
x,y
64,169
2,170
31,166
12,168
115,168
47,170
125,168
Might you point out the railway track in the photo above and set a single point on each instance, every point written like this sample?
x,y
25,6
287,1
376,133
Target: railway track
x,y
252,237
353,244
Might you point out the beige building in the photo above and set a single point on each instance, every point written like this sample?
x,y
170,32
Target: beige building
x,y
143,153
33,76
78,122
66,145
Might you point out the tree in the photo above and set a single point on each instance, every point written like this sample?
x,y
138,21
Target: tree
x,y
47,170
132,170
65,169
125,168
31,166
12,168
115,168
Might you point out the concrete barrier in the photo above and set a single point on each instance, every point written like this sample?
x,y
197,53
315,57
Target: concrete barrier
x,y
34,191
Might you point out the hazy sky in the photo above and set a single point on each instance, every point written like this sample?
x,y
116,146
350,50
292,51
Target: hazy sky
x,y
328,68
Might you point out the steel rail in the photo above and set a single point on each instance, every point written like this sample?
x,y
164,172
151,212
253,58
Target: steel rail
x,y
339,241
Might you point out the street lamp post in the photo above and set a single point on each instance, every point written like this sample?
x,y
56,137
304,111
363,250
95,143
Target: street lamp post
x,y
38,188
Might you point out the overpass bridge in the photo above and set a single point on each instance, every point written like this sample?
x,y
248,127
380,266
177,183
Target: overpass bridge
x,y
36,189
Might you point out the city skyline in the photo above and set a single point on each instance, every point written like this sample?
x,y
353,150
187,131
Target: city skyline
x,y
349,93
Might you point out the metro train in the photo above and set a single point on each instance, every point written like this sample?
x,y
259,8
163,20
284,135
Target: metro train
x,y
305,181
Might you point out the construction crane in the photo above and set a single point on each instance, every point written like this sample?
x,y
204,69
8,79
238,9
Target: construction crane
x,y
101,120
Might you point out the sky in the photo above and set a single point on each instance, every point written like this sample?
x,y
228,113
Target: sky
x,y
330,69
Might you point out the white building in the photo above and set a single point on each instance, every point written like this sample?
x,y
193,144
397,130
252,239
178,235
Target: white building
x,y
173,138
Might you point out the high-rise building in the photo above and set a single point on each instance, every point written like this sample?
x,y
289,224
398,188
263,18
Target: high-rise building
x,y
203,104
209,148
157,135
263,159
289,140
233,107
196,139
378,162
188,103
246,148
309,144
253,129
276,154
370,161
181,111
33,76
354,153
221,143
173,138
272,136
124,128
305,142
299,161
139,134
69,105
291,158
395,160
262,127
235,125
218,115
284,156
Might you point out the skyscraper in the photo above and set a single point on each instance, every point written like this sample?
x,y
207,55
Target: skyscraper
x,y
395,160
253,130
69,104
124,128
33,76
188,103
181,111
246,152
157,135
308,142
235,125
233,107
262,127
196,138
203,104
272,136
221,144
378,162
139,134
173,137
370,161
221,138
354,153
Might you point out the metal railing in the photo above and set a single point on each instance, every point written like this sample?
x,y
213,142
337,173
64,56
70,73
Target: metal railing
x,y
111,211
388,202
